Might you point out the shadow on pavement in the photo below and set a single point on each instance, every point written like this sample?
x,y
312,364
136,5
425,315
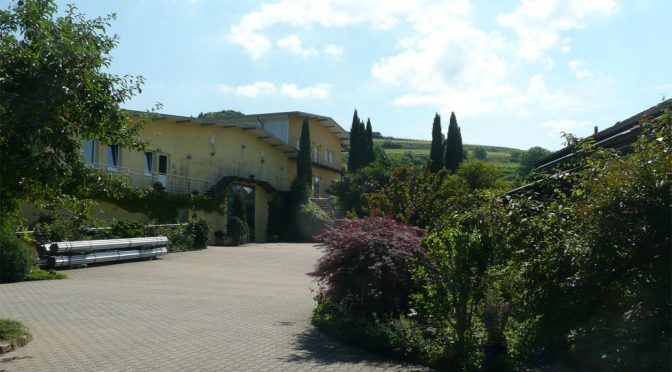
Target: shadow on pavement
x,y
313,346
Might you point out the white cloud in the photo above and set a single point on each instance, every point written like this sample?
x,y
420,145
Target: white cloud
x,y
577,67
447,62
333,50
319,91
293,45
257,89
265,88
250,32
539,24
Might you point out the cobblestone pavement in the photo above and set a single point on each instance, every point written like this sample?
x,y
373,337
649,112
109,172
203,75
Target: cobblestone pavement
x,y
221,309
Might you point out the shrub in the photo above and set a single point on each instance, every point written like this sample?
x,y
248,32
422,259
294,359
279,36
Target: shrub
x,y
311,221
365,267
238,231
478,174
15,258
179,239
199,231
126,229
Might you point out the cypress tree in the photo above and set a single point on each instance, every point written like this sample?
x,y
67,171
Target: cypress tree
x,y
436,151
454,152
304,170
369,142
353,154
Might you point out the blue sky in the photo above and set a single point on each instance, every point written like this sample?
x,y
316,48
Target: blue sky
x,y
516,73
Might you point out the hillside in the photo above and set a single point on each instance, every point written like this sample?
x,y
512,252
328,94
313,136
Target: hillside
x,y
399,150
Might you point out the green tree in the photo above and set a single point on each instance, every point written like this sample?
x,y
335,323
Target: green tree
x,y
223,114
55,90
480,153
354,153
304,169
478,174
529,159
437,149
454,153
370,155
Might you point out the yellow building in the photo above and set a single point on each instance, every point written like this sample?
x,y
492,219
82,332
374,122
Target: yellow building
x,y
255,154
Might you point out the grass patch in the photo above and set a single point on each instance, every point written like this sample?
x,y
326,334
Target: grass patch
x,y
38,274
12,331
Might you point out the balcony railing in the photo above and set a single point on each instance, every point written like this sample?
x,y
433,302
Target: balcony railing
x,y
187,185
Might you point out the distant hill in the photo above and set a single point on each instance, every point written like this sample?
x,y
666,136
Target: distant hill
x,y
506,159
220,114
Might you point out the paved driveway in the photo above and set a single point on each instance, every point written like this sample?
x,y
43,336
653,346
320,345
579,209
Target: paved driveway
x,y
221,309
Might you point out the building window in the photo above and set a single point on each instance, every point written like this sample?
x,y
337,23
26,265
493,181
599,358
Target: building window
x,y
298,144
331,157
326,156
89,149
113,157
149,163
316,154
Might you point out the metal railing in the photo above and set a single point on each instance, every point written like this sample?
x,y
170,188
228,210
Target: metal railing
x,y
187,185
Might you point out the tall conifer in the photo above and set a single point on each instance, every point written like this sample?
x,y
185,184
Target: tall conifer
x,y
437,149
454,152
369,142
353,154
304,168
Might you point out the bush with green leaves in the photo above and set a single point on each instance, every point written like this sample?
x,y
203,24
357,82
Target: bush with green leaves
x,y
126,229
352,188
311,221
238,230
179,239
15,257
199,230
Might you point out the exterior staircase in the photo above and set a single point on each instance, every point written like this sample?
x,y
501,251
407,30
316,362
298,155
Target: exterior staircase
x,y
325,205
218,187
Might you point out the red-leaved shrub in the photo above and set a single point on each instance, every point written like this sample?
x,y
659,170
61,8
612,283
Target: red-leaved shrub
x,y
365,267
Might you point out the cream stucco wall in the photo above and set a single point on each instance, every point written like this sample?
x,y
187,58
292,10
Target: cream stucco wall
x,y
198,155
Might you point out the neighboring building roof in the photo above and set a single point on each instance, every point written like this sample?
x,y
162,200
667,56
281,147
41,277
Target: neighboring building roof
x,y
619,136
254,125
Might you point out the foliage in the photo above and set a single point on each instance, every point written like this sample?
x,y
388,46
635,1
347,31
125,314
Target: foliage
x,y
454,152
370,153
199,230
160,207
399,338
55,89
364,269
223,114
179,239
126,229
12,331
361,151
311,221
451,288
304,167
529,159
480,153
38,274
15,257
478,174
437,149
352,188
238,230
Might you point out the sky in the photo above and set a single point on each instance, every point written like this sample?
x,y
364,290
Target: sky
x,y
516,73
